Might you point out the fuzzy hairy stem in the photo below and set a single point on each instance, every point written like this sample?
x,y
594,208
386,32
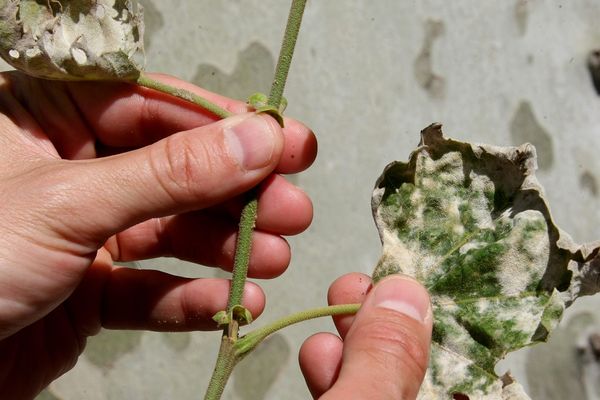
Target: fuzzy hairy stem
x,y
287,51
226,357
252,339
146,81
248,217
243,249
223,368
232,350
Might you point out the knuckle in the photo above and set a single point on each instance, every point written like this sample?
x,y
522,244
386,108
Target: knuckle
x,y
183,167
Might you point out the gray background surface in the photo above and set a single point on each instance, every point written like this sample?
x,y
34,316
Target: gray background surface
x,y
367,77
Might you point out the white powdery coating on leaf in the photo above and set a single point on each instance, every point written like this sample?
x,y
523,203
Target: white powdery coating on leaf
x,y
447,170
85,39
528,316
428,265
394,249
409,258
416,197
99,36
451,206
533,251
473,245
480,206
451,369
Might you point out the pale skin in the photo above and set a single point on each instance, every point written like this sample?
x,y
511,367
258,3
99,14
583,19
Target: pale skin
x,y
93,174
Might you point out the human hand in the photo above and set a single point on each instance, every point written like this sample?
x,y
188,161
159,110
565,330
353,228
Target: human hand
x,y
99,172
384,349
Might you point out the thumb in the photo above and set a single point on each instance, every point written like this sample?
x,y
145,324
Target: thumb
x,y
186,171
386,350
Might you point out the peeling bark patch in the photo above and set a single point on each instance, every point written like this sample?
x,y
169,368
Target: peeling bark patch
x,y
594,68
525,128
522,16
253,73
588,182
254,378
431,82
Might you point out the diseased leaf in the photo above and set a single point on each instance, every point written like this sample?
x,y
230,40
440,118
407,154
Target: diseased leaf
x,y
72,39
472,224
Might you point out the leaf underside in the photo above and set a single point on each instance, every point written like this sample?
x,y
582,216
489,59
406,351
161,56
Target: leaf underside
x,y
471,223
73,40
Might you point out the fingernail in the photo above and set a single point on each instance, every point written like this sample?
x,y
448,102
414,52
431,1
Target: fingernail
x,y
251,142
404,295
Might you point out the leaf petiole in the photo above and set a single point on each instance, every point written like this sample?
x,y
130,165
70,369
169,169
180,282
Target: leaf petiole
x,y
148,82
248,342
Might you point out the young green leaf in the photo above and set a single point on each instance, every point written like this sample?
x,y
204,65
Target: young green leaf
x,y
260,103
472,224
72,40
241,314
238,313
222,318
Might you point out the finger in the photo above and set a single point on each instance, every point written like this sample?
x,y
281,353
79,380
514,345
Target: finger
x,y
190,170
203,238
320,360
208,237
283,208
125,298
348,289
300,148
87,119
386,349
129,116
152,300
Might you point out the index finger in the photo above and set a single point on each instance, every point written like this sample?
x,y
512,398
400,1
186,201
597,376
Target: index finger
x,y
124,116
129,115
348,289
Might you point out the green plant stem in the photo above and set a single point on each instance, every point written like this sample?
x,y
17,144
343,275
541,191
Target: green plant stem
x,y
233,350
253,338
287,51
146,81
223,368
225,359
242,251
249,214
